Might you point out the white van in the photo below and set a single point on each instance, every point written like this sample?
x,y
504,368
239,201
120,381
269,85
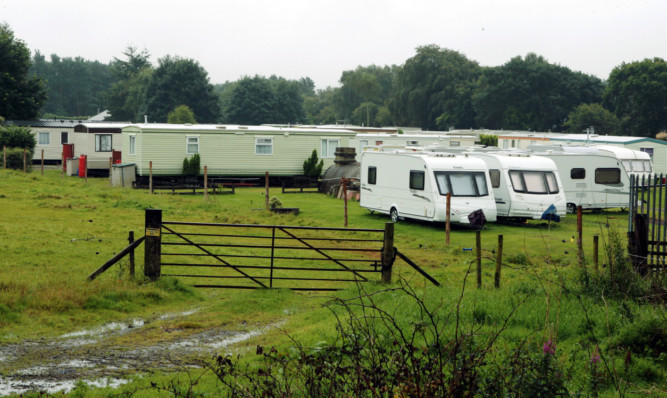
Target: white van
x,y
415,185
525,186
592,178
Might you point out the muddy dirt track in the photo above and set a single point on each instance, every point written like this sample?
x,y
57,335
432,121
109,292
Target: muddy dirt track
x,y
110,354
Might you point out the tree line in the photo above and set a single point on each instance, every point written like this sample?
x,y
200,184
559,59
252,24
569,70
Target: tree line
x,y
436,89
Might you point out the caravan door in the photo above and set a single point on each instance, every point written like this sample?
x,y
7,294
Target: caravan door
x,y
419,203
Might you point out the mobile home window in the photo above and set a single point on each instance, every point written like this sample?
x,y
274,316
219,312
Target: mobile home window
x,y
608,176
263,146
454,143
191,145
413,142
329,147
133,145
495,178
417,180
102,142
44,139
64,136
372,174
461,183
578,173
647,150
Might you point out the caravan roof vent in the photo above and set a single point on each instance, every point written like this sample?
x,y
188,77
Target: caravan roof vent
x,y
221,127
243,127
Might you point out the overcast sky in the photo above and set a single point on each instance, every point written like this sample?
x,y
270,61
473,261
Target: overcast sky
x,y
322,38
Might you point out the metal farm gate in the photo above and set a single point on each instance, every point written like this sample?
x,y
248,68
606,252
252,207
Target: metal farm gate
x,y
647,230
268,256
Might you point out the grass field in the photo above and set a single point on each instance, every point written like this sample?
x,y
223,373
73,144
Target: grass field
x,y
55,231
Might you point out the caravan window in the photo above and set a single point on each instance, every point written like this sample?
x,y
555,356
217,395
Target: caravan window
x,y
44,139
647,166
263,146
417,180
461,183
192,145
63,137
533,182
608,176
372,174
329,147
637,165
578,174
102,142
495,177
133,145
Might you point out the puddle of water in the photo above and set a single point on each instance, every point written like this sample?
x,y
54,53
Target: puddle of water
x,y
109,327
51,387
234,339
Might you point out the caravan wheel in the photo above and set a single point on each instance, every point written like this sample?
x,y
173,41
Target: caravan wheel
x,y
571,208
393,214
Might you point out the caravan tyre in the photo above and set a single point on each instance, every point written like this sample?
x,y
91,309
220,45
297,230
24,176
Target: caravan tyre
x,y
571,208
393,214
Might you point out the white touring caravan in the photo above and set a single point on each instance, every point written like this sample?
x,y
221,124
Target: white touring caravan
x,y
415,185
592,178
525,186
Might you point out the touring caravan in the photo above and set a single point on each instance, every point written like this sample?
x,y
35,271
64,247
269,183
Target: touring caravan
x,y
415,185
592,178
525,186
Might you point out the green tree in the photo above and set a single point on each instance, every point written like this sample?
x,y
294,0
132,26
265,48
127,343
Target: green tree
x,y
433,89
250,102
320,107
311,167
288,101
488,139
637,94
595,115
368,85
180,115
127,96
531,94
178,81
21,94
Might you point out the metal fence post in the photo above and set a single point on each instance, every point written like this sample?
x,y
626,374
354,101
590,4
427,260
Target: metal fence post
x,y
152,249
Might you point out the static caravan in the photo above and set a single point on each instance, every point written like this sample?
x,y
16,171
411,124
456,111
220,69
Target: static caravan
x,y
525,186
362,142
97,141
415,185
228,150
592,178
50,135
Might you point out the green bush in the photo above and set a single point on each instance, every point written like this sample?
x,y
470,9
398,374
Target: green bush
x,y
311,168
17,137
192,166
15,159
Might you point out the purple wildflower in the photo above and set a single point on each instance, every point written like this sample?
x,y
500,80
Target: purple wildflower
x,y
595,358
549,348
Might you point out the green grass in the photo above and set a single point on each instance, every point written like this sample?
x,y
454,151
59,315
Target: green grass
x,y
55,231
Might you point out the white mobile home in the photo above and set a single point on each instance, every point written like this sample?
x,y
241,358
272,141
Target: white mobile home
x,y
97,141
228,150
50,135
416,184
593,179
525,186
362,142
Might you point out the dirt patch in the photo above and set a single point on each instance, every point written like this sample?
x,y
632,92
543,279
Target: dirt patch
x,y
103,356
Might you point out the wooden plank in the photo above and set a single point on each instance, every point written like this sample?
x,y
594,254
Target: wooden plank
x,y
116,258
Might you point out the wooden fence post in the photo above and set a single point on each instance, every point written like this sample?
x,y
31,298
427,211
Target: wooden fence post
x,y
344,181
150,176
64,163
25,163
388,252
447,216
478,243
580,243
266,189
152,249
205,182
499,261
596,241
4,157
110,169
130,239
42,162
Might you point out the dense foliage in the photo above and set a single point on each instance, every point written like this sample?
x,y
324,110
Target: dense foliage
x,y
127,96
17,137
192,166
182,114
178,81
311,166
637,94
592,115
75,87
21,94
